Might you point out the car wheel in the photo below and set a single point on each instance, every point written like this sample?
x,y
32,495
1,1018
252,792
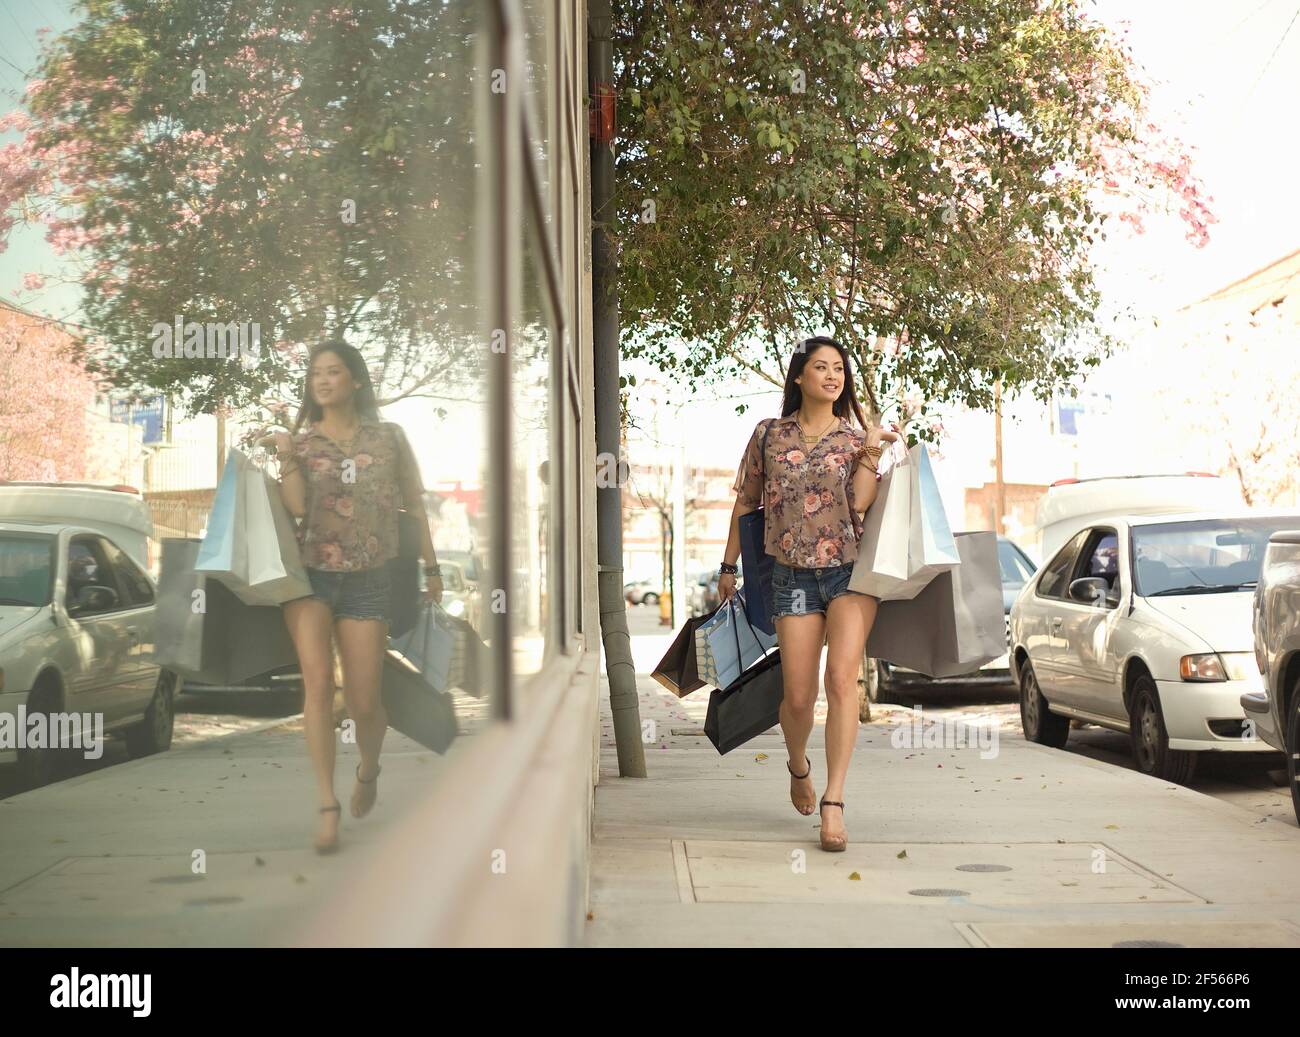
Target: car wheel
x,y
1037,720
651,598
154,733
40,766
879,687
1293,747
1150,740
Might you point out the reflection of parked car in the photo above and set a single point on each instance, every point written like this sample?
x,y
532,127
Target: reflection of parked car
x,y
641,592
1142,623
77,616
1276,629
460,597
704,593
1017,569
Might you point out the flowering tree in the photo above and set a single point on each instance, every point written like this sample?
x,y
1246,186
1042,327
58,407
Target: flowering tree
x,y
925,181
256,161
44,395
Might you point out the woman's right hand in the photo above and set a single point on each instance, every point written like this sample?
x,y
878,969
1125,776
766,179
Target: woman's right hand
x,y
726,586
281,441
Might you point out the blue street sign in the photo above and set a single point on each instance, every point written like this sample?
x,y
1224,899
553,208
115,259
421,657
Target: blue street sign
x,y
148,415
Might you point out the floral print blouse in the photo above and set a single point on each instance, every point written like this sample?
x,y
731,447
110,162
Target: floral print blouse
x,y
353,495
808,516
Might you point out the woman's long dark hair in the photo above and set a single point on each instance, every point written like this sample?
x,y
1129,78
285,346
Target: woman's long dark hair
x,y
846,403
363,400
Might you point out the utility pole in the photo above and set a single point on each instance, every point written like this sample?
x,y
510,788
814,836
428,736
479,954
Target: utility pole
x,y
619,666
1000,488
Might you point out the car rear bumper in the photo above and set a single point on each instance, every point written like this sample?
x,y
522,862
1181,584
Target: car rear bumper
x,y
1189,708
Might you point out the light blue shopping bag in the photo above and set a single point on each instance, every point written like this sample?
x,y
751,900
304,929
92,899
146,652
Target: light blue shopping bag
x,y
218,553
430,645
727,644
931,547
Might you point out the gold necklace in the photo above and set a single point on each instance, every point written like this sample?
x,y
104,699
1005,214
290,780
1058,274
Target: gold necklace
x,y
814,439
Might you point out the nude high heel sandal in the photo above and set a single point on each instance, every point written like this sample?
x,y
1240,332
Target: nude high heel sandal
x,y
832,844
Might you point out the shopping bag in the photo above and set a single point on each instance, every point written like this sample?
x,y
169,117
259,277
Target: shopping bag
x,y
272,572
222,550
404,576
416,708
881,567
468,666
429,645
211,637
955,624
930,548
677,670
726,644
748,707
755,563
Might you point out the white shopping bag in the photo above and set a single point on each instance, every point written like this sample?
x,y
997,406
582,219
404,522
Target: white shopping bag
x,y
273,571
881,568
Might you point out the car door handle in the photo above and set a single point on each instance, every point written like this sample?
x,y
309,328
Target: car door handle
x,y
1056,622
133,635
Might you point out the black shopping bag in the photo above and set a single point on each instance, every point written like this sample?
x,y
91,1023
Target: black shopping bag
x,y
756,564
677,670
415,707
747,707
404,577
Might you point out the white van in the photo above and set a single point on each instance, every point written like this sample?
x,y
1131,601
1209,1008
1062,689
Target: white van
x,y
119,512
1071,504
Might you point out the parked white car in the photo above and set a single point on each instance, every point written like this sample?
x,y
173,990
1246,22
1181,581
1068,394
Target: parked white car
x,y
77,617
1143,624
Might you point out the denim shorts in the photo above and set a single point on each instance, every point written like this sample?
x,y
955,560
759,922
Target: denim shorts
x,y
360,594
800,592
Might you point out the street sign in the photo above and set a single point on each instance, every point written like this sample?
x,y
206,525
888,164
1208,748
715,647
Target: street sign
x,y
148,415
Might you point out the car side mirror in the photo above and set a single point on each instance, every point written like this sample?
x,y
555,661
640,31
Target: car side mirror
x,y
1090,590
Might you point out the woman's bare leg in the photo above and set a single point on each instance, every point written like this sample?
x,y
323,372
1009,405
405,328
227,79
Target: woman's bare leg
x,y
849,619
800,639
310,622
361,649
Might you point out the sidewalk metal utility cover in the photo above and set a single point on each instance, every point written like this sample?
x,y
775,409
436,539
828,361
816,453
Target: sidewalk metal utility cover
x,y
1063,874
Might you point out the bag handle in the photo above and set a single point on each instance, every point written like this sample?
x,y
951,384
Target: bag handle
x,y
762,454
735,627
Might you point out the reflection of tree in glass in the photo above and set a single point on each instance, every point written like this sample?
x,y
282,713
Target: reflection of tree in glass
x,y
203,159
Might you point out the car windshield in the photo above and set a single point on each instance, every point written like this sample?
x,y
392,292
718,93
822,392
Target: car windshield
x,y
26,569
452,578
1207,556
1015,570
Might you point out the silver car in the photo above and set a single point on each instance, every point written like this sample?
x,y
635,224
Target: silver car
x,y
77,628
1276,621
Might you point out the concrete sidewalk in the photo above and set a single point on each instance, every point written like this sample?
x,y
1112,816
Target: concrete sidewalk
x,y
105,858
1031,847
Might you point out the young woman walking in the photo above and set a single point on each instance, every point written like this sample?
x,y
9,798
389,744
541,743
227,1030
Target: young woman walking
x,y
821,475
345,473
